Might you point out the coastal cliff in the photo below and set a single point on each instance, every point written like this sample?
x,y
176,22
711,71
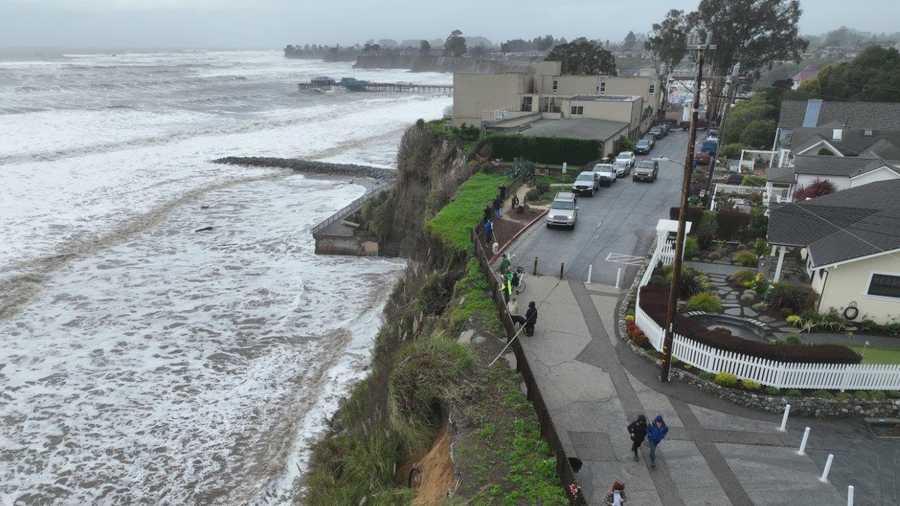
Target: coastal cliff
x,y
418,63
392,440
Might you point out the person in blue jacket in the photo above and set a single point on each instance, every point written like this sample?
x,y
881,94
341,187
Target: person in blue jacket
x,y
655,434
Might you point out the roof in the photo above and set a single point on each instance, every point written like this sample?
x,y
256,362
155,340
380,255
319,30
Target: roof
x,y
843,226
875,115
605,98
581,128
854,142
839,166
780,175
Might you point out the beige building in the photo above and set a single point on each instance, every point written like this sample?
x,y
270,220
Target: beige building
x,y
850,241
514,100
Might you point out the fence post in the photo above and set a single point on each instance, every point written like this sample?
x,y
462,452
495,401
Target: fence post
x,y
784,419
619,277
534,271
850,491
590,273
802,450
562,268
824,477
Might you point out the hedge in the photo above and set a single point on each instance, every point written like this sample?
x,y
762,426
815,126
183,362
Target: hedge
x,y
654,300
551,150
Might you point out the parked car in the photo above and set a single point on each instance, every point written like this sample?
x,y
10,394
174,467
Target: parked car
x,y
587,183
624,163
606,172
563,211
706,151
644,146
665,128
656,132
646,170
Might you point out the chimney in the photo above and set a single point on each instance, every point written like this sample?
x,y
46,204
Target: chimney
x,y
837,134
867,132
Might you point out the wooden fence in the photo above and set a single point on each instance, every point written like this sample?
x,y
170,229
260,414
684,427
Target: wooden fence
x,y
763,371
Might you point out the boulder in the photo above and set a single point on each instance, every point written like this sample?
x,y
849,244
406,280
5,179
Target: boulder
x,y
748,297
759,307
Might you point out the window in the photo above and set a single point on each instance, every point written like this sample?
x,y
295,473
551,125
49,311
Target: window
x,y
527,103
577,110
884,285
652,88
555,86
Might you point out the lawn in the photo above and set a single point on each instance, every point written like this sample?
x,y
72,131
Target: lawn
x,y
454,223
878,355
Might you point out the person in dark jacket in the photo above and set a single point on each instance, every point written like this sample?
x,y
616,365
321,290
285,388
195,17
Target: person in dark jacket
x,y
655,434
638,431
489,231
498,207
530,319
488,213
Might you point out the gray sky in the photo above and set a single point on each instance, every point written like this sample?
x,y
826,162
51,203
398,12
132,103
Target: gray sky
x,y
274,23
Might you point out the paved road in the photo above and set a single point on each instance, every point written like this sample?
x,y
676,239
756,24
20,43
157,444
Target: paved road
x,y
619,219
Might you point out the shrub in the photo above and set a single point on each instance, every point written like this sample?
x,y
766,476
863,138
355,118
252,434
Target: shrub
x,y
815,189
797,298
750,180
892,394
553,150
842,396
726,379
759,223
691,247
759,133
750,385
453,224
745,258
708,376
707,228
692,280
793,393
706,301
793,339
773,390
732,151
760,247
794,320
877,395
862,395
823,394
732,224
743,277
533,195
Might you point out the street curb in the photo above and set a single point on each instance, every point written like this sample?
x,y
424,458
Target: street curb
x,y
518,234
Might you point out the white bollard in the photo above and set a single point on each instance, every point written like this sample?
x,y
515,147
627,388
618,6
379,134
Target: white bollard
x,y
619,278
824,477
803,443
590,273
787,411
850,491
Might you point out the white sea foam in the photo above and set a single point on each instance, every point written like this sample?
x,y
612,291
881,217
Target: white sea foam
x,y
150,363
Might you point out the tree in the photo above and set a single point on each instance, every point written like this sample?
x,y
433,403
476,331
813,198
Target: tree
x,y
478,52
817,188
873,76
749,32
543,43
516,46
668,41
583,57
425,48
455,45
759,134
630,40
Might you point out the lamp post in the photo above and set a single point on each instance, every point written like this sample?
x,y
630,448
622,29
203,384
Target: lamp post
x,y
700,47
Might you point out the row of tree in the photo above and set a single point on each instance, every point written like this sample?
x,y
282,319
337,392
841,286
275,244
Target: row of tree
x,y
873,76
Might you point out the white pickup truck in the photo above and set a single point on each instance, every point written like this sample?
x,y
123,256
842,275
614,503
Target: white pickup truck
x,y
606,172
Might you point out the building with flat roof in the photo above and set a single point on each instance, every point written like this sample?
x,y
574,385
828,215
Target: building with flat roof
x,y
517,99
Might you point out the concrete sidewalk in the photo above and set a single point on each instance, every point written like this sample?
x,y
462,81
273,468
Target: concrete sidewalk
x,y
710,457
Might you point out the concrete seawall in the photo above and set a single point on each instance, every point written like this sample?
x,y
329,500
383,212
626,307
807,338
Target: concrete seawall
x,y
335,235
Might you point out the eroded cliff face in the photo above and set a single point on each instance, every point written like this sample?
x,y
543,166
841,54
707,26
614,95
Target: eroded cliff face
x,y
430,168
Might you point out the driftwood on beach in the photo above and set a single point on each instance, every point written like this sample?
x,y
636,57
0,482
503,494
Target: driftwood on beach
x,y
311,166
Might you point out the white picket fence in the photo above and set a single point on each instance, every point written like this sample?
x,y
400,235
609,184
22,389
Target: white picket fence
x,y
763,371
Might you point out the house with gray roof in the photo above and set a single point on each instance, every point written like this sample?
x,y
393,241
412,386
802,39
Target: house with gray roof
x,y
850,241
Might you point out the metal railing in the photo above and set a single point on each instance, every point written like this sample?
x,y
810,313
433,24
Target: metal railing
x,y
349,209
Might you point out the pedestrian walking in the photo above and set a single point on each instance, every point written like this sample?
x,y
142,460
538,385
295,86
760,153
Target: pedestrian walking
x,y
504,264
488,213
638,431
655,434
489,231
530,319
616,494
498,207
508,286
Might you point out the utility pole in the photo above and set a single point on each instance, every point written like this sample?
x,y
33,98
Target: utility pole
x,y
700,47
732,84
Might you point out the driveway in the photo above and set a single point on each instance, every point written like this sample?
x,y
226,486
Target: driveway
x,y
620,219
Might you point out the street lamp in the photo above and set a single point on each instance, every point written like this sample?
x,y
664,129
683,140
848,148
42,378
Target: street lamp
x,y
700,45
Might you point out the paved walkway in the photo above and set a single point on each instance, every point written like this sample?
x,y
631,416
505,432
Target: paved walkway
x,y
710,457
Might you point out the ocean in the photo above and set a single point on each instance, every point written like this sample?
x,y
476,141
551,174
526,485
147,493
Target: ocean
x,y
143,361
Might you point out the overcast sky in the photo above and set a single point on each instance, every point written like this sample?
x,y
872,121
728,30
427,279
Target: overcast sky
x,y
274,23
